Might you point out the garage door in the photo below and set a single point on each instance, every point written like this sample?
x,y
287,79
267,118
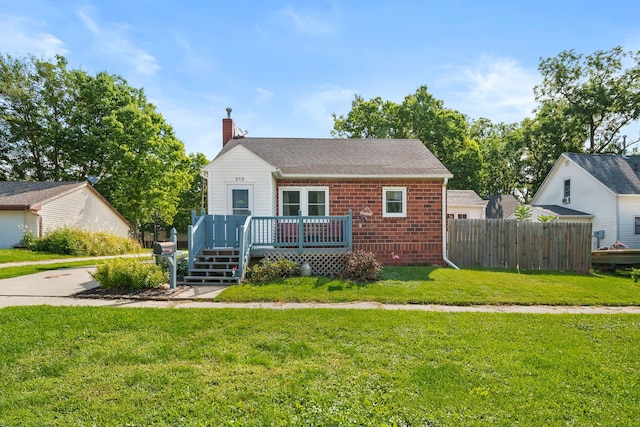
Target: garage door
x,y
10,232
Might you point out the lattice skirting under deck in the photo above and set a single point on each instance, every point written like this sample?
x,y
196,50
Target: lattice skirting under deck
x,y
322,263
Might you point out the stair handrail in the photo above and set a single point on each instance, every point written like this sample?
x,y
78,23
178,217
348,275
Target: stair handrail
x,y
197,238
245,243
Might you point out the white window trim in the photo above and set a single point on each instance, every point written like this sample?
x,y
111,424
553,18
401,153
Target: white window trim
x,y
402,214
304,198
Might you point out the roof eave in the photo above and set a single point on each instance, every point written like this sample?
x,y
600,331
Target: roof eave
x,y
279,174
19,208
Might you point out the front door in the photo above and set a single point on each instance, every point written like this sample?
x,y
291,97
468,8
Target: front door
x,y
240,199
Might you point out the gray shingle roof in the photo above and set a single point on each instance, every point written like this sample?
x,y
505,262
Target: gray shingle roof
x,y
562,211
500,206
23,194
618,173
464,198
358,157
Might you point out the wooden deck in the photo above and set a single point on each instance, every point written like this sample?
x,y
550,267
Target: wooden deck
x,y
254,235
614,258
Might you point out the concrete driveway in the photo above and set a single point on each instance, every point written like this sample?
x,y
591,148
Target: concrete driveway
x,y
52,287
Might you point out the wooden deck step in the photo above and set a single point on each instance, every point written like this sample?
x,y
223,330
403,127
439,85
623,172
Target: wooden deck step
x,y
191,280
214,266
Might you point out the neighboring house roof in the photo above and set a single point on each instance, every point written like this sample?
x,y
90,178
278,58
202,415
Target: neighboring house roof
x,y
21,195
464,198
501,206
619,173
561,210
344,157
32,195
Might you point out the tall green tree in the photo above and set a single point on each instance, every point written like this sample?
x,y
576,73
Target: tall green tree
x,y
36,101
445,132
544,138
194,197
502,162
60,124
600,92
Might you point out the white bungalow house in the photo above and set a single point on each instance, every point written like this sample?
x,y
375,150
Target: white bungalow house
x,y
465,204
40,207
601,188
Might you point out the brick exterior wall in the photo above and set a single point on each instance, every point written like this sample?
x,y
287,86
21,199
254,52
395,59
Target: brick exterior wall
x,y
417,238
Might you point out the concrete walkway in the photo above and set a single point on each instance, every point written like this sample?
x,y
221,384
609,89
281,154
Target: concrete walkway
x,y
63,260
58,287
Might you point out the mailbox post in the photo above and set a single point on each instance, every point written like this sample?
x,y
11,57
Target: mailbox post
x,y
167,250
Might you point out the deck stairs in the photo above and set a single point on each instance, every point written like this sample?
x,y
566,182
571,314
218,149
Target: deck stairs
x,y
214,267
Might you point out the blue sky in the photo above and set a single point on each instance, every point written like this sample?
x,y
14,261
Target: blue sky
x,y
285,66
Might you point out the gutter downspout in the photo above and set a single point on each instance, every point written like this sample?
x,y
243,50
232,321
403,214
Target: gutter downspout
x,y
444,225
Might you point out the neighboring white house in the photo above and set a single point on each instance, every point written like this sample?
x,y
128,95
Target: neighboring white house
x,y
601,188
41,207
465,204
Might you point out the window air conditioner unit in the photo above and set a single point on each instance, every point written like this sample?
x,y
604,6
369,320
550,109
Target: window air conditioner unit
x,y
566,200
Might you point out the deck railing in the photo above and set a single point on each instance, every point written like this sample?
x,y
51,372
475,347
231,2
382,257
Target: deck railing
x,y
197,236
302,233
287,233
244,241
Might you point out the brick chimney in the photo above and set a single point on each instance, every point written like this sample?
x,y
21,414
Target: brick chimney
x,y
228,128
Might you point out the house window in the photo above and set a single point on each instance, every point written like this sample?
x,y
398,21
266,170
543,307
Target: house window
x,y
637,225
311,201
566,198
462,216
290,202
451,216
240,201
394,202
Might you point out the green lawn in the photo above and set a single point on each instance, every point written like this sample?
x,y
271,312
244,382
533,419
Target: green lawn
x,y
22,255
68,366
432,285
8,272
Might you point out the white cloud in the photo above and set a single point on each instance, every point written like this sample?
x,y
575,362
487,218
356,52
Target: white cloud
x,y
319,105
496,88
263,95
89,23
22,36
308,24
112,40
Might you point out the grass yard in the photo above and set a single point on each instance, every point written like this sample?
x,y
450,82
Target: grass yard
x,y
68,366
432,285
22,255
9,272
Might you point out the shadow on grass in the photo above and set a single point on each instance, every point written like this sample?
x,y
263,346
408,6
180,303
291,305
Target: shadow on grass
x,y
408,273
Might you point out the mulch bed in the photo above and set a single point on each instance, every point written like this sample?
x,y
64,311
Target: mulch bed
x,y
157,293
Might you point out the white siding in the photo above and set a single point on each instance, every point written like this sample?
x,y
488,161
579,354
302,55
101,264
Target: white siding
x,y
588,195
239,167
628,210
472,212
82,209
12,225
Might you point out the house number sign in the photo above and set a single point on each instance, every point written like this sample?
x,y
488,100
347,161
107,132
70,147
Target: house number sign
x,y
239,178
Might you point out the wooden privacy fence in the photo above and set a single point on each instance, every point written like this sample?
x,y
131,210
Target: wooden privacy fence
x,y
499,243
